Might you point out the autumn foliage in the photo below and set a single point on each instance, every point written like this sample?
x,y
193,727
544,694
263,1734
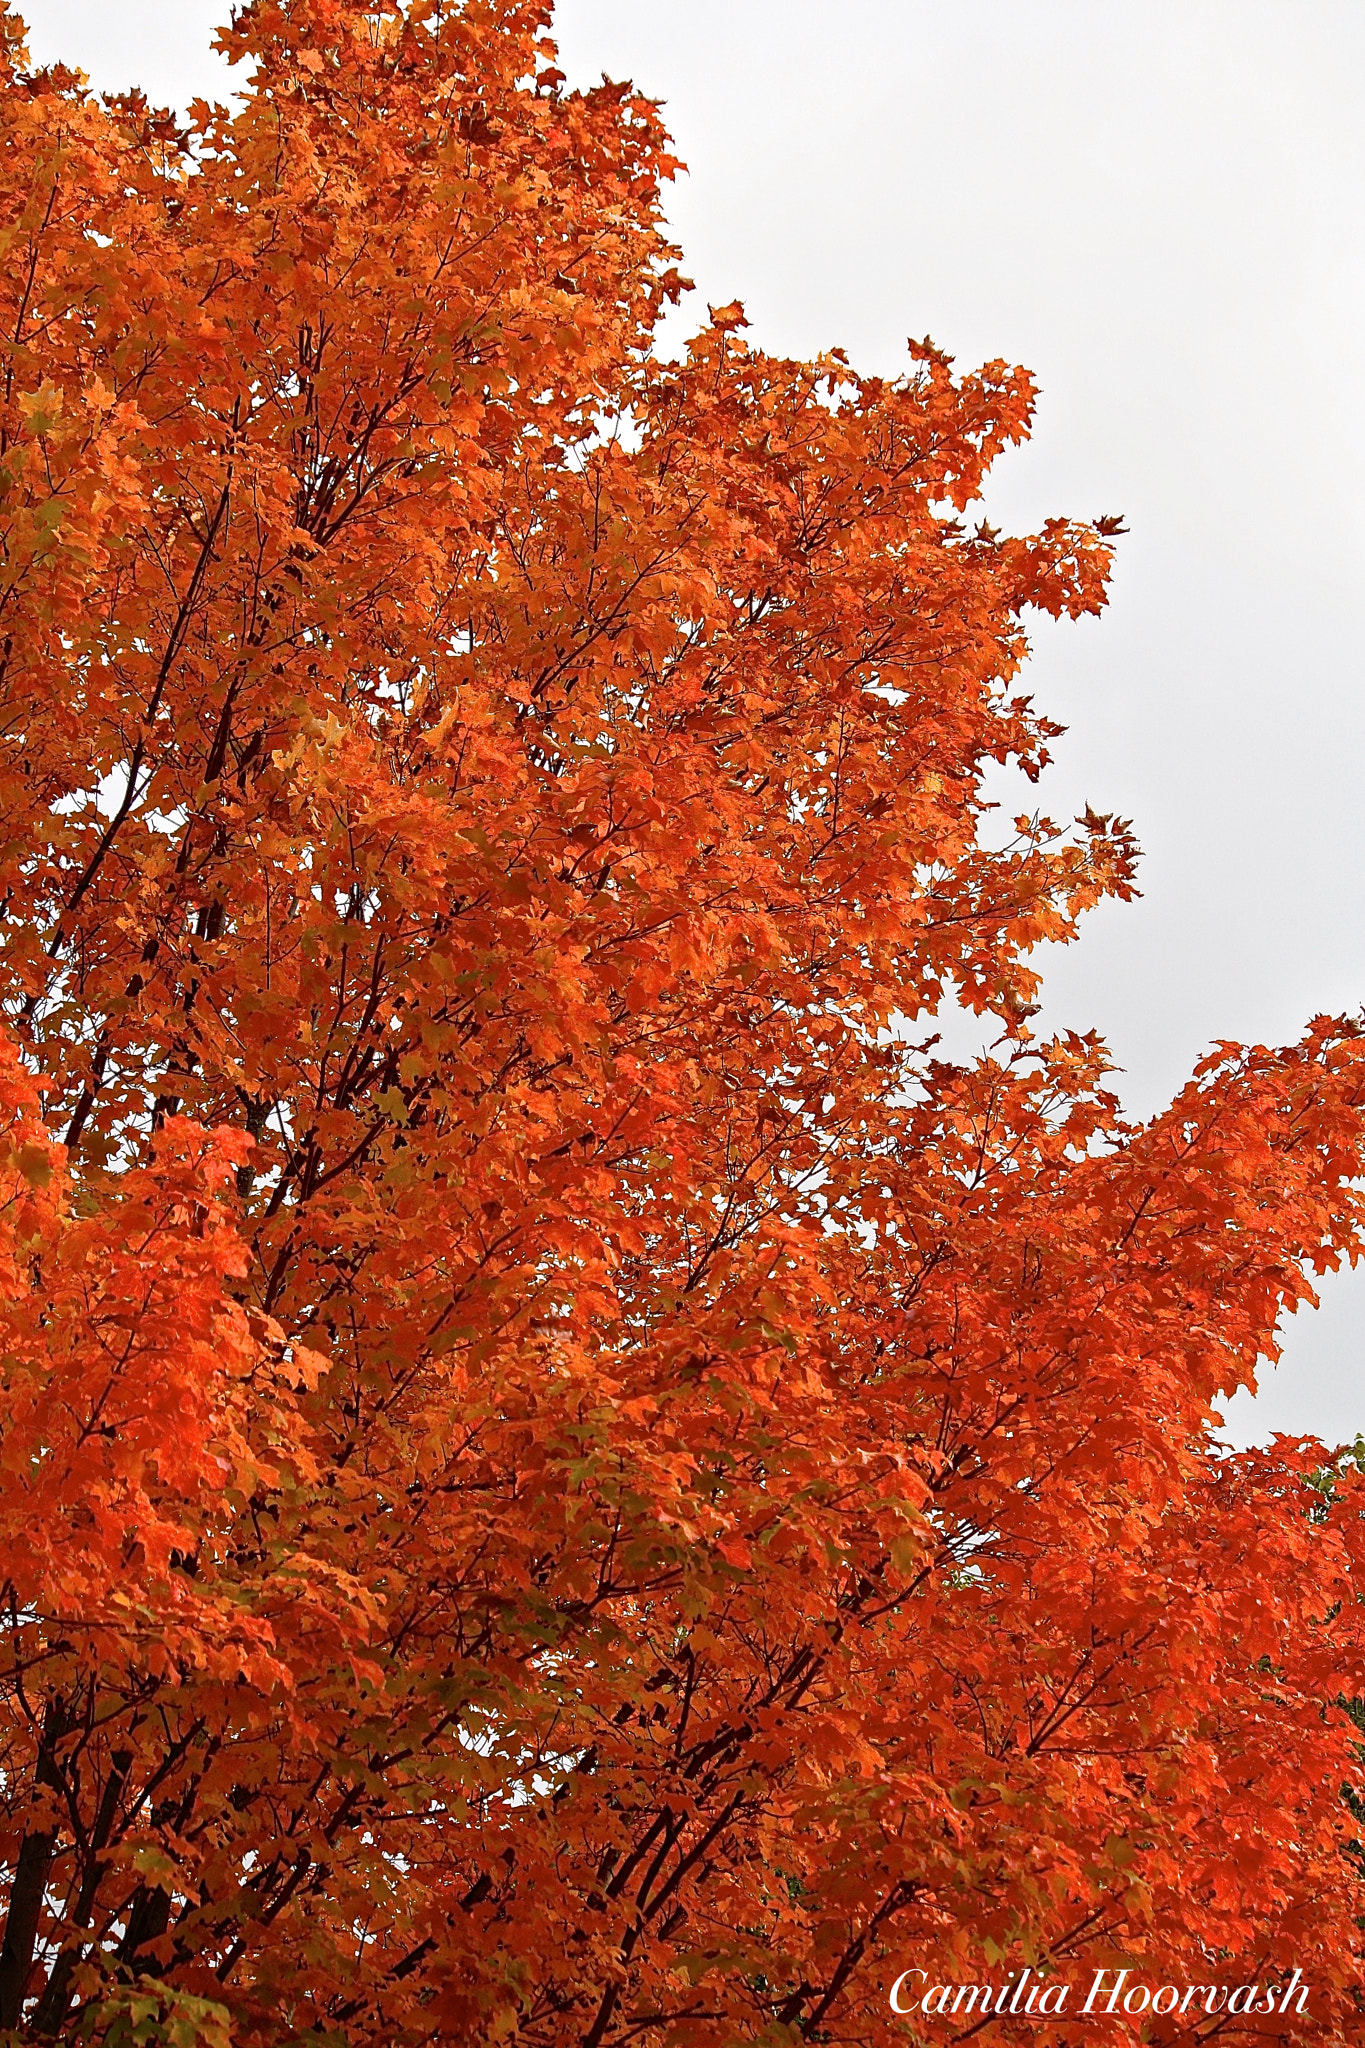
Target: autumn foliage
x,y
566,1480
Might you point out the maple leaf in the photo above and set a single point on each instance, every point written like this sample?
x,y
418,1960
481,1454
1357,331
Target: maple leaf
x,y
563,1478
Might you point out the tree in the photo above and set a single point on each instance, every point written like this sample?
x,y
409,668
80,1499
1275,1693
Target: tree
x,y
566,1480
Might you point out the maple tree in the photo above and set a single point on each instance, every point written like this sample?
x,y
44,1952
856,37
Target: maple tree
x,y
565,1479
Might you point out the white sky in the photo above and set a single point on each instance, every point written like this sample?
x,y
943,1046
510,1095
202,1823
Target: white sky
x,y
1159,207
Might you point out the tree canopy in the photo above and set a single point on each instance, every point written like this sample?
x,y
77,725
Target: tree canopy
x,y
566,1479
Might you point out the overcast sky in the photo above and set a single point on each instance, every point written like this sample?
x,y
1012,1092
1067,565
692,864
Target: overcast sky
x,y
1159,207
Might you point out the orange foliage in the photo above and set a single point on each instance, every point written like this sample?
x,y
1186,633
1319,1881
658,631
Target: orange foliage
x,y
564,1481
